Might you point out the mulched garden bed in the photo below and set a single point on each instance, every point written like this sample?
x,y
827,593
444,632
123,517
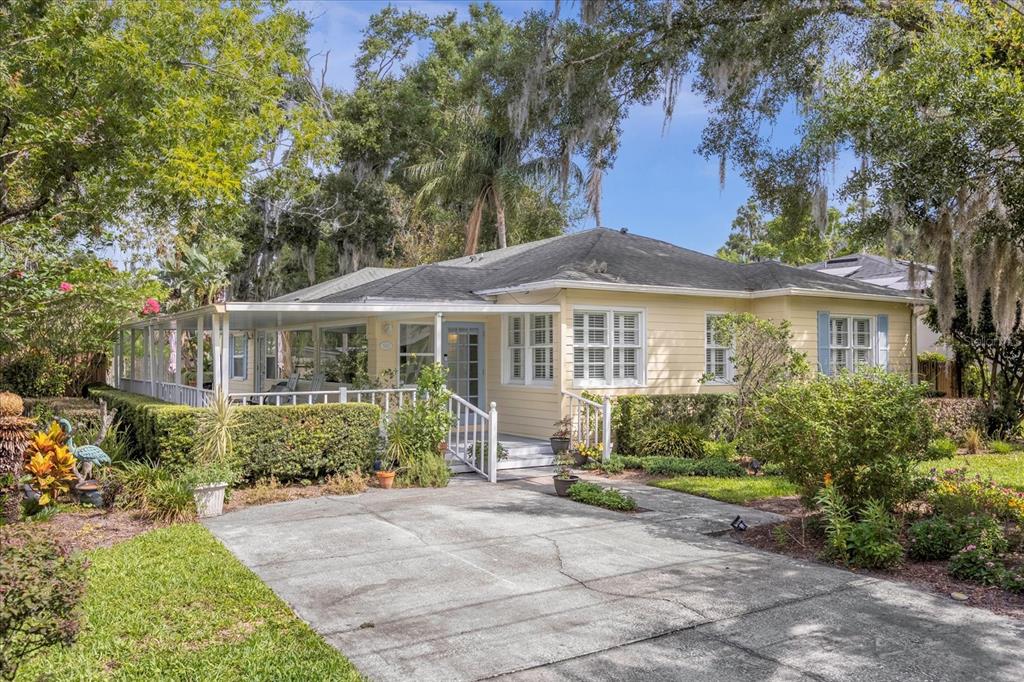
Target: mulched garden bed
x,y
83,529
801,542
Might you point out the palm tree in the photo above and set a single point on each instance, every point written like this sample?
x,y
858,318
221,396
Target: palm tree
x,y
486,167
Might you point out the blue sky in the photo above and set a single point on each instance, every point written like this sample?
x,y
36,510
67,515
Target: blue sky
x,y
659,186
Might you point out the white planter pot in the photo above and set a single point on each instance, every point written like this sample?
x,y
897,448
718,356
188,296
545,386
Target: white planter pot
x,y
210,499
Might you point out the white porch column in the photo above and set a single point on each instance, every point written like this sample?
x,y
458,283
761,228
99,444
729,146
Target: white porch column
x,y
216,352
438,337
200,343
225,363
176,352
117,358
151,360
131,358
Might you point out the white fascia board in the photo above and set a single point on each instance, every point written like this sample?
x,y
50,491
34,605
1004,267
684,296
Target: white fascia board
x,y
695,291
160,320
397,307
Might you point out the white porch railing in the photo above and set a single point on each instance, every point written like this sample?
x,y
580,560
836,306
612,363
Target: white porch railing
x,y
590,422
184,395
388,399
473,438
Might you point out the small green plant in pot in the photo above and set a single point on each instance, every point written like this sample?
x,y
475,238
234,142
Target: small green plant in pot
x,y
564,478
561,439
214,469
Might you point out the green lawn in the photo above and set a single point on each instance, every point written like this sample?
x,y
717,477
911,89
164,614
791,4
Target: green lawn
x,y
734,490
173,604
1006,470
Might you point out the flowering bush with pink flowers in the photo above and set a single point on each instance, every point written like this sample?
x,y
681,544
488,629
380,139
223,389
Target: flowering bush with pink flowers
x,y
151,307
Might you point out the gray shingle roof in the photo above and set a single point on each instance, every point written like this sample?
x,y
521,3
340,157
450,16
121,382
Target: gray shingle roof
x,y
598,255
892,273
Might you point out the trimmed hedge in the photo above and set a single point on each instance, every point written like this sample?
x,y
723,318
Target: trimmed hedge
x,y
952,417
287,442
676,466
634,416
84,414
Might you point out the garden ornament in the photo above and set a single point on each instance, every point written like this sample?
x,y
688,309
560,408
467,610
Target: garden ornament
x,y
92,454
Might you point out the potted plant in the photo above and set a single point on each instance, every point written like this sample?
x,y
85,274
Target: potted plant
x,y
214,469
210,483
564,478
582,453
561,439
395,445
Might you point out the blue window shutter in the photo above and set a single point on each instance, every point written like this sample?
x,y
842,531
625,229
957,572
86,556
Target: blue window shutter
x,y
882,325
823,341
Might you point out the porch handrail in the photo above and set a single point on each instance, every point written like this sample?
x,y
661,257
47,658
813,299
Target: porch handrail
x,y
473,437
590,422
382,397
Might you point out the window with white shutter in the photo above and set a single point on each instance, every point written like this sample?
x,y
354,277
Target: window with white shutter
x,y
608,348
529,349
716,353
850,343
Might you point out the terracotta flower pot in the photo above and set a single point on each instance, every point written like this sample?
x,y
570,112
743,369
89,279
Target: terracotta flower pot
x,y
562,485
385,479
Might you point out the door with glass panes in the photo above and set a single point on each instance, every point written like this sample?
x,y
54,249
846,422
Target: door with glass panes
x,y
464,357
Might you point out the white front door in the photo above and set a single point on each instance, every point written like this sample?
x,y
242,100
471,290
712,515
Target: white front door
x,y
464,357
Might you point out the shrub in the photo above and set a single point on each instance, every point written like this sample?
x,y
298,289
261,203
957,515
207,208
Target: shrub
x,y
956,495
724,449
290,442
941,448
40,591
416,432
1000,447
953,416
136,480
979,564
674,466
678,439
593,494
633,414
34,375
973,440
933,538
171,500
864,429
762,354
874,540
871,542
838,523
84,414
350,483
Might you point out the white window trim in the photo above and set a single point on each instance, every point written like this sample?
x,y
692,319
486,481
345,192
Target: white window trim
x,y
244,356
610,381
730,366
527,348
398,349
850,347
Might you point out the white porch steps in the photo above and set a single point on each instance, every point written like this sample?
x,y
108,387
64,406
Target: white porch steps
x,y
523,453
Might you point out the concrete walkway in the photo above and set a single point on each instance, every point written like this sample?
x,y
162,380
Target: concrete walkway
x,y
479,581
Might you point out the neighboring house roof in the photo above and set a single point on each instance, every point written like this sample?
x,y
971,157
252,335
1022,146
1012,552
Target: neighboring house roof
x,y
597,257
892,273
333,286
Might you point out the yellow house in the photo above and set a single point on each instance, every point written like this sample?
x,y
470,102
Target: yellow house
x,y
523,331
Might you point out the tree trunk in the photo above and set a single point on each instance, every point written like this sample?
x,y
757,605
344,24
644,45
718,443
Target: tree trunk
x,y
473,225
499,213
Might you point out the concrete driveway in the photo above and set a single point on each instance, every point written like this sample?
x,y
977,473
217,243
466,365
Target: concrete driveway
x,y
478,581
